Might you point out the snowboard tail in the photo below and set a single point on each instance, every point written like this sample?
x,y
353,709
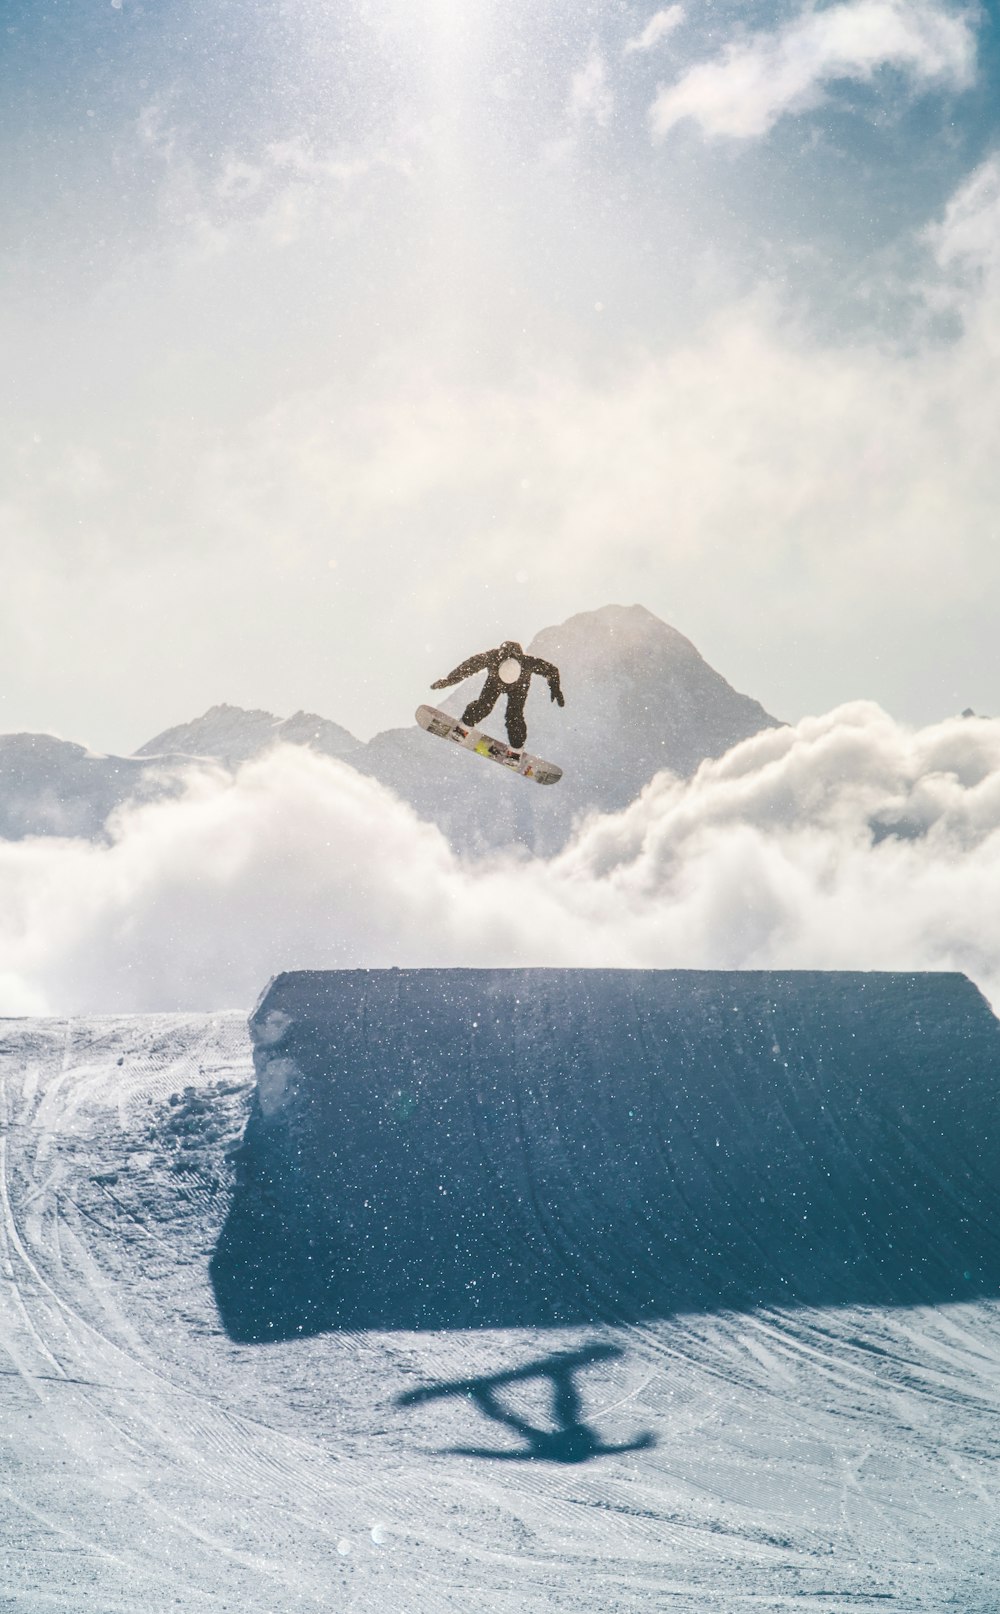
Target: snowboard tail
x,y
449,728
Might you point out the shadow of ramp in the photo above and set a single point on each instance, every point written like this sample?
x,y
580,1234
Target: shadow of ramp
x,y
473,1148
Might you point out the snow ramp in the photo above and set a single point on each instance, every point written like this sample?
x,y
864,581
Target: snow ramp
x,y
498,1148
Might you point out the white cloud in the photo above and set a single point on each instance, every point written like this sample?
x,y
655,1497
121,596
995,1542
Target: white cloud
x,y
749,449
270,196
757,80
820,516
823,483
590,97
590,103
155,133
967,239
658,28
766,859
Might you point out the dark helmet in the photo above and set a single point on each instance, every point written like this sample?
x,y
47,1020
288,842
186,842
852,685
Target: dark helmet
x,y
510,647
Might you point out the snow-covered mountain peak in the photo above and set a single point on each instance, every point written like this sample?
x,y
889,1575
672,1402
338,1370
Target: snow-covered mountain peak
x,y
639,699
233,734
611,633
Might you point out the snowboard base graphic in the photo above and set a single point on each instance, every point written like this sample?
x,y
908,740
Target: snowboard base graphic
x,y
449,728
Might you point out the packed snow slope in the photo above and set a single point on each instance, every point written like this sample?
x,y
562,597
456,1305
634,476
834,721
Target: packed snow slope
x,y
457,1148
737,1457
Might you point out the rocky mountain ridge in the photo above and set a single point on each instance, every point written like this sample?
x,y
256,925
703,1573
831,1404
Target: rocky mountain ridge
x,y
639,698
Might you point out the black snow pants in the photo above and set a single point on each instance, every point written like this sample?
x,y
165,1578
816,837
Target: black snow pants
x,y
517,694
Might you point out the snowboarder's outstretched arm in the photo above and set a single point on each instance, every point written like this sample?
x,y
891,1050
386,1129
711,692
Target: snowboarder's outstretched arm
x,y
473,665
546,670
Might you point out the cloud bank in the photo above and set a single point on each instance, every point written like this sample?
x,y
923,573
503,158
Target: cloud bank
x,y
659,27
845,491
847,841
966,240
756,81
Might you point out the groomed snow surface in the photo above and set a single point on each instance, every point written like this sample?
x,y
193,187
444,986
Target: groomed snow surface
x,y
779,1457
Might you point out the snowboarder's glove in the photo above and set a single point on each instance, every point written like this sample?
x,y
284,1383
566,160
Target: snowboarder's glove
x,y
440,683
557,696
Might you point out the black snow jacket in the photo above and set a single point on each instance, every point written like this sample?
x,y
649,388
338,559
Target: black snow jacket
x,y
489,661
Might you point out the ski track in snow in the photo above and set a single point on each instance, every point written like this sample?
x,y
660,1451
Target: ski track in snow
x,y
822,1459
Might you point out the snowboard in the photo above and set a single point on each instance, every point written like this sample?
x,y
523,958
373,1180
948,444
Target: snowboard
x,y
449,728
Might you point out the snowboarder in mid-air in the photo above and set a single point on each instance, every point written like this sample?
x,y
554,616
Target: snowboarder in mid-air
x,y
508,672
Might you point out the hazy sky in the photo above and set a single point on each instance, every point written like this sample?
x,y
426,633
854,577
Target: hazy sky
x,y
342,340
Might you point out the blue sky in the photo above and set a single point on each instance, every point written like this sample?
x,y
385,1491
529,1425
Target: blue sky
x,y
346,339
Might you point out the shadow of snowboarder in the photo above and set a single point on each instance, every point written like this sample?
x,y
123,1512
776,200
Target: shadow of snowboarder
x,y
571,1441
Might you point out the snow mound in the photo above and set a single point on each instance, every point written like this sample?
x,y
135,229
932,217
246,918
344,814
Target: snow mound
x,y
461,1148
232,734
